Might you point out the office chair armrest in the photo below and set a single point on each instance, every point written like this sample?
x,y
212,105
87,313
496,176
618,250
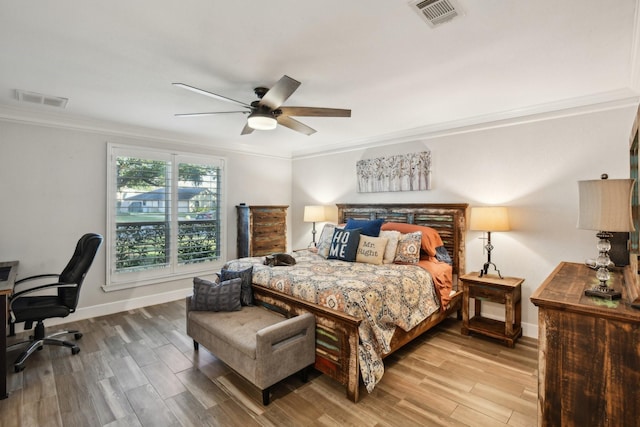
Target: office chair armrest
x,y
39,276
18,295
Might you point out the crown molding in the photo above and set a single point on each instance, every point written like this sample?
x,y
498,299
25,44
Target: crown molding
x,y
612,100
58,120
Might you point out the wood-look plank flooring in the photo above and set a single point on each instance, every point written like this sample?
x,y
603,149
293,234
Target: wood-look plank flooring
x,y
138,368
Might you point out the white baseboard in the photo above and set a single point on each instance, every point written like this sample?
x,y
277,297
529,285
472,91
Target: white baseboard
x,y
528,329
115,307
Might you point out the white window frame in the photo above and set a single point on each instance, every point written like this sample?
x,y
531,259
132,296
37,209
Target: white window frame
x,y
119,280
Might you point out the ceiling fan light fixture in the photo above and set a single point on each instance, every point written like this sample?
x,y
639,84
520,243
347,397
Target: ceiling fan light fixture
x,y
261,121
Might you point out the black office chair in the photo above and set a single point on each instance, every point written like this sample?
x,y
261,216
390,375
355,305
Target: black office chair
x,y
29,309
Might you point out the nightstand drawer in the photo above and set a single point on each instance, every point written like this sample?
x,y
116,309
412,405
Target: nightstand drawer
x,y
487,292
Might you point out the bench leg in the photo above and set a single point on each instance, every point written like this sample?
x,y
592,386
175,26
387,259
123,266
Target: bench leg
x,y
304,374
196,345
266,396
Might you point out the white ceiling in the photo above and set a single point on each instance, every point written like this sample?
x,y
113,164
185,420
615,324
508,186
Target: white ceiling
x,y
116,60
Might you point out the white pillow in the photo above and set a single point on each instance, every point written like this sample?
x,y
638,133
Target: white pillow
x,y
392,237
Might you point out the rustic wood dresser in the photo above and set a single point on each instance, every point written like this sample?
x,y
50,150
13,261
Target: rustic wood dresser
x,y
589,351
262,230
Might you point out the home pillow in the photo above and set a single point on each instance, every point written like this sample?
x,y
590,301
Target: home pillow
x,y
430,237
408,248
325,240
392,237
214,296
371,249
367,227
246,294
344,244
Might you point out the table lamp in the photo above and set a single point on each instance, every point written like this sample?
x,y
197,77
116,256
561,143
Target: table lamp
x,y
489,219
314,214
605,206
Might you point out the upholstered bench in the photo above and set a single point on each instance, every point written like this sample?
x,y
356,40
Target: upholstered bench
x,y
259,344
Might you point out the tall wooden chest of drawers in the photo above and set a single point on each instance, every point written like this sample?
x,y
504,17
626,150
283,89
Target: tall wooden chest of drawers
x,y
262,230
589,351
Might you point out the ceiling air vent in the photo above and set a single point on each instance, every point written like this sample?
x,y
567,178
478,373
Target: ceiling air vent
x,y
436,12
38,98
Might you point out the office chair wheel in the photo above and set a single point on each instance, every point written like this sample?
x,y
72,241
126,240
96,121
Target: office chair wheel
x,y
75,350
77,336
18,368
40,348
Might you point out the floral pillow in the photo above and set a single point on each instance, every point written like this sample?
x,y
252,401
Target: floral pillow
x,y
430,237
408,251
325,240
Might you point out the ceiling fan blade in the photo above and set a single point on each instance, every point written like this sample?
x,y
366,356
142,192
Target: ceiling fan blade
x,y
280,92
246,130
315,112
295,125
210,94
209,113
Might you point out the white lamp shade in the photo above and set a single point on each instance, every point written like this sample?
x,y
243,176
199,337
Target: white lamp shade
x,y
261,121
314,213
605,205
489,218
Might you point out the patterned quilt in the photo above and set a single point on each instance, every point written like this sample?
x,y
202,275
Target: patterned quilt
x,y
385,296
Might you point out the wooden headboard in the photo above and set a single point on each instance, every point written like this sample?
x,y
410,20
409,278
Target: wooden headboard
x,y
448,219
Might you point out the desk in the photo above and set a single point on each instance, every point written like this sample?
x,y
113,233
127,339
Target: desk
x,y
6,289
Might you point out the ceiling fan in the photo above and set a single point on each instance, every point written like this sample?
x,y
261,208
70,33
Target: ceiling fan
x,y
266,112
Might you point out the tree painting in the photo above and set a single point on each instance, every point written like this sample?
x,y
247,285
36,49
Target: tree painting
x,y
401,172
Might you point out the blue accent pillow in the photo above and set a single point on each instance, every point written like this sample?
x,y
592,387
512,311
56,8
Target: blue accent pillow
x,y
442,254
367,227
344,244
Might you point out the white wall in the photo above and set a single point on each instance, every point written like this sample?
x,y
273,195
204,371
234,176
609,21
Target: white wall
x,y
530,167
53,190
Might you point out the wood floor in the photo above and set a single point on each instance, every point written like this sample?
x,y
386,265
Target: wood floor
x,y
138,368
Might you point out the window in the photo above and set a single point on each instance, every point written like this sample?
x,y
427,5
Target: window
x,y
166,215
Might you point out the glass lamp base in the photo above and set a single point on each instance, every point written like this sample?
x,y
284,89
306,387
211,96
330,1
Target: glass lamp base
x,y
601,264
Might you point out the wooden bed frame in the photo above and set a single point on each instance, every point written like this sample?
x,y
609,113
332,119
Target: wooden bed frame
x,y
337,332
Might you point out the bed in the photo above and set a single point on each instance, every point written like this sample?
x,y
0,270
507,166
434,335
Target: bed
x,y
357,327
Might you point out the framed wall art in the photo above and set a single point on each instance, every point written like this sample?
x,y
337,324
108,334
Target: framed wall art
x,y
400,172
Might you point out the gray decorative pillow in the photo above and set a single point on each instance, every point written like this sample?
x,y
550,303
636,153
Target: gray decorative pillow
x,y
212,296
246,294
